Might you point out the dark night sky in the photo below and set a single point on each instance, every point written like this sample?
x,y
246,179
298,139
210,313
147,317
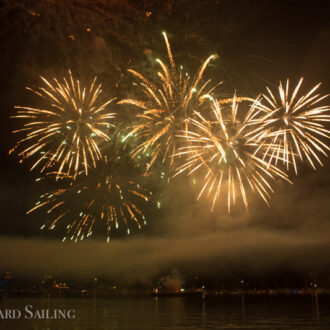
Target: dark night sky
x,y
258,43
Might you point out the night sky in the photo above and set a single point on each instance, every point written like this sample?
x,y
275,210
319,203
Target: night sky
x,y
258,43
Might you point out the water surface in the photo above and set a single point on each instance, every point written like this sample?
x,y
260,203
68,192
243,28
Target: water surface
x,y
219,312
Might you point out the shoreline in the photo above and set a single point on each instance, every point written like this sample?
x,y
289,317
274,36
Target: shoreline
x,y
212,294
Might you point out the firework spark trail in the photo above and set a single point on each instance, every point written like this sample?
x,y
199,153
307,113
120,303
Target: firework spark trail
x,y
167,105
110,196
296,125
67,132
227,149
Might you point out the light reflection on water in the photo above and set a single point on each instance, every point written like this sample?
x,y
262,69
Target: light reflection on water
x,y
224,312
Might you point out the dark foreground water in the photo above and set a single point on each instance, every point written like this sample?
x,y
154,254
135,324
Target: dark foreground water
x,y
221,312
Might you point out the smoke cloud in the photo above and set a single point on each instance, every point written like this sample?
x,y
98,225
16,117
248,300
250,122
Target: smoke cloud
x,y
293,235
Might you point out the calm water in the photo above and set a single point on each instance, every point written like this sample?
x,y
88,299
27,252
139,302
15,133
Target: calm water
x,y
230,312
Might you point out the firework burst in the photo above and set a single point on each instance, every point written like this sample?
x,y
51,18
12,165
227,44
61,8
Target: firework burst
x,y
111,196
166,106
226,146
66,132
296,125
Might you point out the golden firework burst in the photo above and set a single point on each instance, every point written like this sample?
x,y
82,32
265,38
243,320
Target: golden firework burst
x,y
66,132
111,196
166,106
295,124
226,146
